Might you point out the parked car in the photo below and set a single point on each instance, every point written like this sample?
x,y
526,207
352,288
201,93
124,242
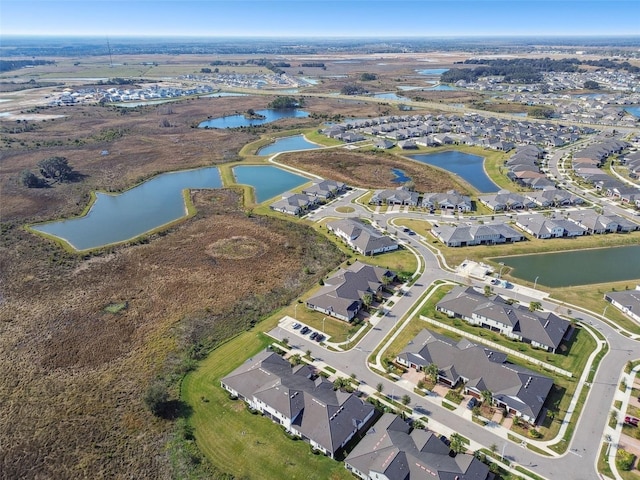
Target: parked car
x,y
319,338
296,326
472,403
313,335
445,440
411,232
405,230
633,421
305,330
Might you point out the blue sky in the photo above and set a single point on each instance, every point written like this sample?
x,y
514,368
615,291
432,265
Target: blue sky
x,y
324,18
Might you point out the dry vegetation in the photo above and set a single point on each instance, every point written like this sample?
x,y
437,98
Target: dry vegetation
x,y
370,169
82,337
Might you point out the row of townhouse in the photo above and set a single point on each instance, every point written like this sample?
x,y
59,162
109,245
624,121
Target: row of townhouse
x,y
449,201
521,392
541,329
344,294
632,164
316,194
468,129
475,234
523,167
586,164
505,200
308,407
362,237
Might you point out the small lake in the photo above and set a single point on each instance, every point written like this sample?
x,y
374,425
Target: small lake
x,y
401,177
390,96
268,181
288,144
581,267
468,167
443,87
635,111
432,71
270,115
120,217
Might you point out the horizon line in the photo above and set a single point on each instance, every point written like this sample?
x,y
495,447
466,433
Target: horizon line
x,y
319,36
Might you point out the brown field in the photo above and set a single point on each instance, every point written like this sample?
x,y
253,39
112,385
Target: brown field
x,y
370,169
73,373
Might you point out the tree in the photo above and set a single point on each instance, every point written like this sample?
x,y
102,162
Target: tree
x,y
367,299
55,168
457,443
591,85
432,371
406,399
380,388
30,179
156,397
282,103
533,306
493,447
487,291
367,77
487,397
295,359
541,112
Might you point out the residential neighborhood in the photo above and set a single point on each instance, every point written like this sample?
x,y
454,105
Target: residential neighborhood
x,y
541,329
519,391
346,292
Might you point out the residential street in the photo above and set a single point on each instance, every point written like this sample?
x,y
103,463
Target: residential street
x,y
579,462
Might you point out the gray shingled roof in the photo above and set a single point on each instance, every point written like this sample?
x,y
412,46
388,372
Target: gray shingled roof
x,y
391,448
482,368
319,412
545,328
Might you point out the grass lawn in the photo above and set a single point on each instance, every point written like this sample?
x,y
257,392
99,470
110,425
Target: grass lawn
x,y
236,441
558,402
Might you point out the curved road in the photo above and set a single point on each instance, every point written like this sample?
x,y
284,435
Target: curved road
x,y
580,459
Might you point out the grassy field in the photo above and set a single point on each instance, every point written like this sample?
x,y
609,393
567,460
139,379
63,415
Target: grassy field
x,y
229,435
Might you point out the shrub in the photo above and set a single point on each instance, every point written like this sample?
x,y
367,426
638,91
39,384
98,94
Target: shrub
x,y
624,460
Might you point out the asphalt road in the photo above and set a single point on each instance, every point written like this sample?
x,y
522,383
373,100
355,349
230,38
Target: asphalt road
x,y
579,461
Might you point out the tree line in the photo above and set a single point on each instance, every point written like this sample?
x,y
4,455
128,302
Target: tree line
x,y
526,70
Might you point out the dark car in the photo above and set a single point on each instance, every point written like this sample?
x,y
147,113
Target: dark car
x,y
411,232
305,330
319,338
472,403
405,230
296,326
313,335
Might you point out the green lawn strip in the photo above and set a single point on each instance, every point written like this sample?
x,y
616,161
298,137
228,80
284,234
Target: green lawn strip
x,y
591,297
316,137
228,434
573,359
603,462
529,473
